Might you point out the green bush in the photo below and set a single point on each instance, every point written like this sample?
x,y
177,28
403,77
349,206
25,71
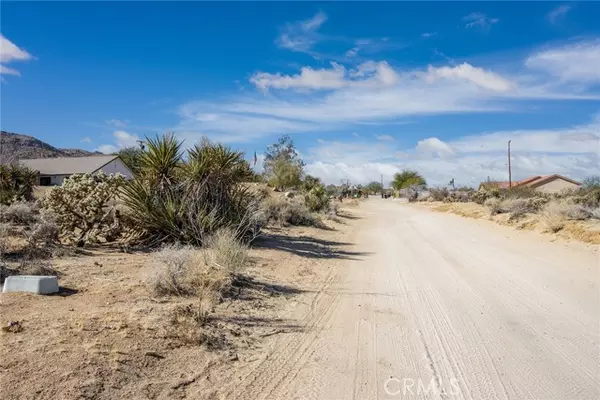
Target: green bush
x,y
317,199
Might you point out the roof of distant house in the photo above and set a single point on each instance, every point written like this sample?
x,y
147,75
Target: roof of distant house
x,y
68,165
532,181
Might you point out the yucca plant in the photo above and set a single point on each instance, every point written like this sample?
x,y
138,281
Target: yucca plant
x,y
179,200
161,161
16,182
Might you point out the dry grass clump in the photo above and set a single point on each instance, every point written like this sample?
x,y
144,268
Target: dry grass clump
x,y
495,205
556,213
19,212
205,274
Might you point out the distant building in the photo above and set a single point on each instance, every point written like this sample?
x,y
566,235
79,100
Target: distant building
x,y
546,183
53,171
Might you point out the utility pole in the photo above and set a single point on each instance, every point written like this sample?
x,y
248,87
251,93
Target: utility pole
x,y
509,171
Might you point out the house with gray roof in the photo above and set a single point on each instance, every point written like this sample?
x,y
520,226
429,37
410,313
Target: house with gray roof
x,y
53,171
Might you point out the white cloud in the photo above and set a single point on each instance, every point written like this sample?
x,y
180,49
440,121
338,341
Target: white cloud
x,y
426,35
86,140
366,74
466,72
4,70
434,147
107,148
572,151
385,138
122,139
10,52
229,127
117,123
576,62
301,36
478,19
374,92
557,13
308,78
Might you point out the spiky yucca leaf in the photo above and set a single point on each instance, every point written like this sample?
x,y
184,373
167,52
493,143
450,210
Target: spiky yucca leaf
x,y
161,160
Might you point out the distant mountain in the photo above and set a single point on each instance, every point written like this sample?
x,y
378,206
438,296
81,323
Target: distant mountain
x,y
15,146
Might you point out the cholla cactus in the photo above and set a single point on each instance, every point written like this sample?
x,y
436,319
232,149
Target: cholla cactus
x,y
81,204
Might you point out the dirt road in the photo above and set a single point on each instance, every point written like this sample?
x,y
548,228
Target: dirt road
x,y
433,305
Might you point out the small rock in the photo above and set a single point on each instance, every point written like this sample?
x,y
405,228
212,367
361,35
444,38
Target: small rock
x,y
13,327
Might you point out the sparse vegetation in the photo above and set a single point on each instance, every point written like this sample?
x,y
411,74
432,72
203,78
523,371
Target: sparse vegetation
x,y
205,274
288,212
553,215
19,212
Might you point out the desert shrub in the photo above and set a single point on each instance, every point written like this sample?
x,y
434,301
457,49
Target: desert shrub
x,y
595,213
44,233
288,212
310,182
591,182
438,194
16,182
177,199
333,212
317,199
205,274
82,205
224,250
20,212
589,197
208,271
553,215
517,207
577,212
174,266
495,205
520,192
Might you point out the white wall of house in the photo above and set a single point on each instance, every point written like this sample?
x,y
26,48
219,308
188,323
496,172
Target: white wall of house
x,y
556,185
117,166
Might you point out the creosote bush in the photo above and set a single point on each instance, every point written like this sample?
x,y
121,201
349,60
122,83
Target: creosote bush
x,y
288,212
317,199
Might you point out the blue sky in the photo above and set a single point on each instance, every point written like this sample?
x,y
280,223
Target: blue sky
x,y
364,89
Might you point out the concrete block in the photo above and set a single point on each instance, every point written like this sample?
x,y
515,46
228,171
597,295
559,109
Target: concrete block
x,y
31,284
